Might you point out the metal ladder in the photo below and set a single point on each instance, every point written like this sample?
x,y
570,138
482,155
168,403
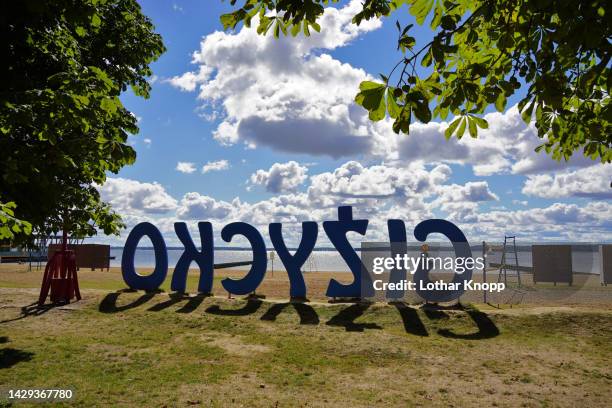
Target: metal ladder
x,y
503,267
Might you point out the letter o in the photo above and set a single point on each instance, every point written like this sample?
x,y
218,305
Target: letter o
x,y
130,276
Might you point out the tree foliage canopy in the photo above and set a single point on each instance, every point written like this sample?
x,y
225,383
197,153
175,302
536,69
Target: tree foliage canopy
x,y
482,52
62,125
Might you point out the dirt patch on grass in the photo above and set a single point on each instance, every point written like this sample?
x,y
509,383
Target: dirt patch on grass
x,y
110,352
234,345
244,389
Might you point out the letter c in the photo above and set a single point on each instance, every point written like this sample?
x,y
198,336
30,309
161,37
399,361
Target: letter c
x,y
257,272
462,250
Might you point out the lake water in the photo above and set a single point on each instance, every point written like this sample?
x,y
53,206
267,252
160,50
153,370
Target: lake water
x,y
585,258
319,261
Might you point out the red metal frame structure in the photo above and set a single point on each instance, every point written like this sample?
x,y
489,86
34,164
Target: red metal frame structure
x,y
60,276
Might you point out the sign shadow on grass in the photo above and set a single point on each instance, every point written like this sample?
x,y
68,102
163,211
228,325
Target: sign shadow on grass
x,y
486,328
347,316
192,302
307,314
109,303
411,320
251,306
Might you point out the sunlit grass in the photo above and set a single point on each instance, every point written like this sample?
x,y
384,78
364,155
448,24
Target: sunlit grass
x,y
159,353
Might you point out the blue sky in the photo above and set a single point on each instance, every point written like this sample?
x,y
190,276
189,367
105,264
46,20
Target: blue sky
x,y
289,145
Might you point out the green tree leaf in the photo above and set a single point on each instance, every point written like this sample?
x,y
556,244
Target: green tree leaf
x,y
526,113
392,106
371,97
500,102
461,129
420,9
448,133
480,122
422,112
472,127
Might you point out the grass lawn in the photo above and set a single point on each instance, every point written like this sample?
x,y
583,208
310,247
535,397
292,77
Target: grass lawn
x,y
136,349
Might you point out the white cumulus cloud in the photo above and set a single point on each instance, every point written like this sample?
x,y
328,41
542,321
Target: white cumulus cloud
x,y
186,167
215,166
196,206
594,182
281,177
135,197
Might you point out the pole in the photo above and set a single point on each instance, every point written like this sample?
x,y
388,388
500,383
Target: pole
x,y
518,272
484,268
271,257
63,258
